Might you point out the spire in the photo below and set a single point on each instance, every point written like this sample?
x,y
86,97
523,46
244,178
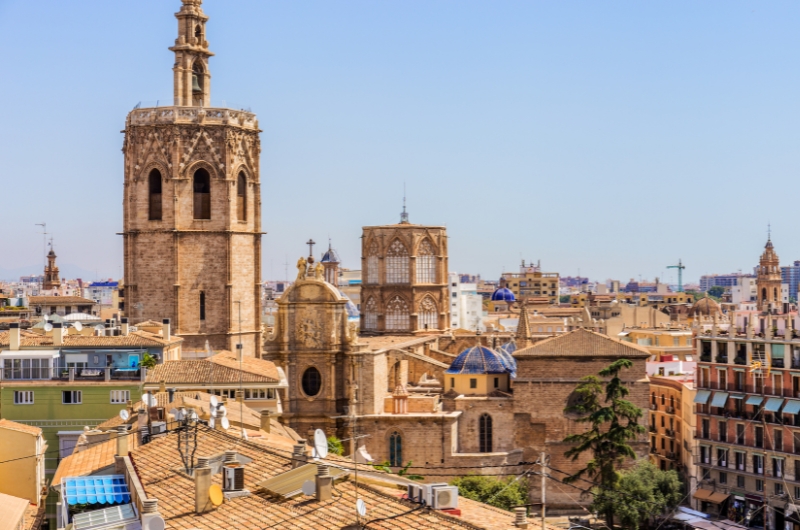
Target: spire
x,y
192,79
404,214
523,336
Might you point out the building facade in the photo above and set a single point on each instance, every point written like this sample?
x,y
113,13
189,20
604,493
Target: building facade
x,y
404,279
192,206
466,305
532,282
791,277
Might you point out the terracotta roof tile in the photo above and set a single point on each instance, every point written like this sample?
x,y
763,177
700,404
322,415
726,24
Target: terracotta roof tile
x,y
158,465
94,456
583,343
12,510
249,364
201,371
138,339
59,300
21,427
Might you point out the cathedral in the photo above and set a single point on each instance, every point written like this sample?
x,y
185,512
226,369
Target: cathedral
x,y
192,207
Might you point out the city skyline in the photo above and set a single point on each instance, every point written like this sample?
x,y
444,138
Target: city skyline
x,y
652,118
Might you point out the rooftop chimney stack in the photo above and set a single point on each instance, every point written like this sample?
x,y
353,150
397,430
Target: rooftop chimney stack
x,y
122,440
165,331
14,336
125,327
202,483
324,483
521,517
299,457
266,424
58,334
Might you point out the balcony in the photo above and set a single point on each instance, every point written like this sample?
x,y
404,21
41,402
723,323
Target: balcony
x,y
740,361
670,410
670,433
722,359
653,406
75,374
705,358
653,429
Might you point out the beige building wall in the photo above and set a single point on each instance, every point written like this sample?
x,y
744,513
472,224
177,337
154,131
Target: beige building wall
x,y
21,475
483,384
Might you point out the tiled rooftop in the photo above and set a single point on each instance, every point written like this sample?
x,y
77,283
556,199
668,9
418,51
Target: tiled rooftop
x,y
158,462
583,343
92,458
21,427
248,364
30,339
203,372
59,300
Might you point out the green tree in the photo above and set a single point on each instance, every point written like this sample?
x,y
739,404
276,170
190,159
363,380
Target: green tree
x,y
716,292
564,299
613,423
502,493
335,445
402,472
697,295
148,361
642,493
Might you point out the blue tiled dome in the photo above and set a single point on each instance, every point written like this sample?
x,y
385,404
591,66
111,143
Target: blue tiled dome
x,y
478,360
509,347
330,256
503,295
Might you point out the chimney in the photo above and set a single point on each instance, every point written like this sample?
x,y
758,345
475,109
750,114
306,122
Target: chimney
x,y
266,424
150,514
521,517
162,386
240,396
324,483
58,335
125,327
171,392
122,440
202,483
299,457
13,334
165,331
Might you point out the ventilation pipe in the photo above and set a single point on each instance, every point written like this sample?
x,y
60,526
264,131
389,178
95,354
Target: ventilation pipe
x,y
125,326
165,331
58,334
122,440
14,336
324,483
202,483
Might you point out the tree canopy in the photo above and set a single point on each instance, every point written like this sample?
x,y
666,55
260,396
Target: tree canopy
x,y
502,493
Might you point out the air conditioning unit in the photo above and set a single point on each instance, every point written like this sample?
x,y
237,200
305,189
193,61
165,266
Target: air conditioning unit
x,y
233,478
158,427
445,497
415,492
424,492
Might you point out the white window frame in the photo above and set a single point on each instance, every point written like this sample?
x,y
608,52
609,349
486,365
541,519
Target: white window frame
x,y
78,393
23,397
115,396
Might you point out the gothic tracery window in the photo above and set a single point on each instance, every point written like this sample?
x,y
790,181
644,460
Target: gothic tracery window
x,y
427,317
372,263
241,197
426,263
154,195
371,315
395,450
397,263
485,433
202,194
397,315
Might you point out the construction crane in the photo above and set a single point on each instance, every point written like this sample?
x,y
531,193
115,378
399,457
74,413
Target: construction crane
x,y
680,266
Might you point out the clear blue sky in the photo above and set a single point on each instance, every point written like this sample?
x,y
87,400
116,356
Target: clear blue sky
x,y
610,137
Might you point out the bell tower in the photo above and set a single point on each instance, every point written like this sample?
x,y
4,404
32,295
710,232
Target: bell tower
x,y
192,207
192,77
51,280
768,279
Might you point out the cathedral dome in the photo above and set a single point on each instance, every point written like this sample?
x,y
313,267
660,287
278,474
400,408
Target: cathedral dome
x,y
478,360
330,256
503,294
706,307
508,359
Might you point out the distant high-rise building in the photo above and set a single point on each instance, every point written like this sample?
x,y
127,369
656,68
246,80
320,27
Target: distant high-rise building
x,y
791,276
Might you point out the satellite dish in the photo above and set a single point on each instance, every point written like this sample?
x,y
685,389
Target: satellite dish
x,y
124,414
215,494
193,416
223,410
46,318
48,327
309,487
361,507
211,422
213,400
320,444
225,423
78,326
149,399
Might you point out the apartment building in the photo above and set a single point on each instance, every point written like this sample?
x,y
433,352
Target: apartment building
x,y
672,421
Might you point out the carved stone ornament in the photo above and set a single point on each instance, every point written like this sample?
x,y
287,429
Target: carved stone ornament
x,y
309,333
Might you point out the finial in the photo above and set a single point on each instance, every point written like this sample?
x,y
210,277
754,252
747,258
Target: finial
x,y
311,244
404,215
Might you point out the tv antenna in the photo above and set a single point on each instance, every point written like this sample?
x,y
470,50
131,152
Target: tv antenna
x,y
44,248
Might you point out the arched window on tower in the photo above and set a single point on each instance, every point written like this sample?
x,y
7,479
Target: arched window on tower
x,y
427,317
241,197
397,263
395,450
198,83
485,434
775,294
397,315
371,315
198,33
372,262
202,194
764,293
154,195
426,263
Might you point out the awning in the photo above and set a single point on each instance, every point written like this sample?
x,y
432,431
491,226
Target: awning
x,y
710,496
792,406
773,404
702,396
737,396
720,398
623,334
109,489
29,354
77,357
754,400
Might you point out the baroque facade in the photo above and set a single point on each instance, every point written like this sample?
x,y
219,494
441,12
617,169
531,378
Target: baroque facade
x,y
404,279
192,207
